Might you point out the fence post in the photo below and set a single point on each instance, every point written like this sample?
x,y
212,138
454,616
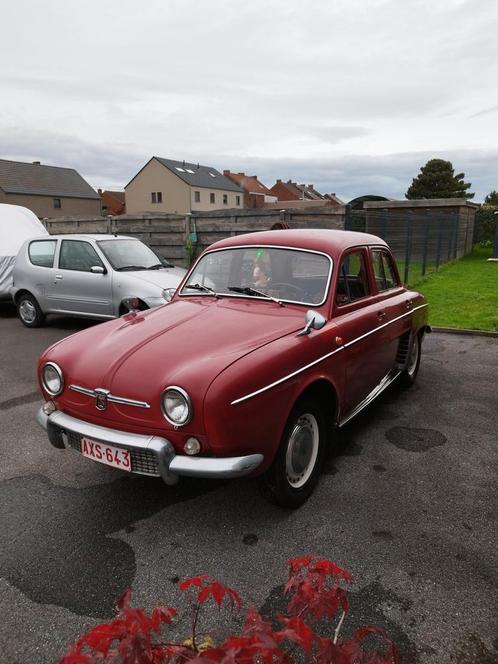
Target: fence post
x,y
348,218
439,239
455,242
426,245
408,250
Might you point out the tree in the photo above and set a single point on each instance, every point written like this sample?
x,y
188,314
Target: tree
x,y
437,179
492,198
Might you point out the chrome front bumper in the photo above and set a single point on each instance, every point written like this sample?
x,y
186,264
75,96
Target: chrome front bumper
x,y
151,455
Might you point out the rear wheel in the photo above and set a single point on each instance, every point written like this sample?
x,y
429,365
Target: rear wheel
x,y
296,468
29,311
409,373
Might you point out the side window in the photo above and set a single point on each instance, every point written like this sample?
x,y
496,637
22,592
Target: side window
x,y
42,252
352,282
385,276
78,255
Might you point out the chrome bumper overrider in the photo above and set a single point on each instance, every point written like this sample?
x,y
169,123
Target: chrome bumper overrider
x,y
62,429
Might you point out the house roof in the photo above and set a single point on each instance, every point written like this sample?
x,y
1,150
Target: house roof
x,y
119,195
19,177
196,175
248,182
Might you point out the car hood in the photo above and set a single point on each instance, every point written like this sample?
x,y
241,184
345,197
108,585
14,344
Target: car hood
x,y
185,343
168,277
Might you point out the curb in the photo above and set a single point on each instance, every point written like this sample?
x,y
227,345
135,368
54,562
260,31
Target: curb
x,y
475,333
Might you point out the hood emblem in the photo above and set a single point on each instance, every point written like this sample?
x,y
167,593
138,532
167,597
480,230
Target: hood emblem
x,y
101,398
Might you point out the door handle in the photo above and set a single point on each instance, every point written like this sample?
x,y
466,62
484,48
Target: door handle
x,y
58,276
381,315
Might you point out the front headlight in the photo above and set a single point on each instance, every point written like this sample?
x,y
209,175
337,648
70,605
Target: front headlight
x,y
52,379
176,406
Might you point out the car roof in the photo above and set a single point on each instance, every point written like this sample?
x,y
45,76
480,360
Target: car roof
x,y
89,236
330,241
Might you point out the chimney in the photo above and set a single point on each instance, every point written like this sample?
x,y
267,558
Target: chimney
x,y
100,192
311,186
279,181
242,174
184,163
226,172
37,163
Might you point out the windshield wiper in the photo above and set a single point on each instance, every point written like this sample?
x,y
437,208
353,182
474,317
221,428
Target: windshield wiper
x,y
204,289
249,290
157,266
130,267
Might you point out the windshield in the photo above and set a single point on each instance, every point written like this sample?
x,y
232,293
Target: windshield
x,y
291,275
128,254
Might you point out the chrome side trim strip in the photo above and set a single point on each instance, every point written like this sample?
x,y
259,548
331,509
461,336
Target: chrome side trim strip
x,y
384,383
110,397
324,357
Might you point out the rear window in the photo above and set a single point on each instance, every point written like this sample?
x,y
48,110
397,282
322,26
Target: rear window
x,y
42,252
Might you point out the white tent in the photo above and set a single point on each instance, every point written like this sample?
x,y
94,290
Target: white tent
x,y
17,224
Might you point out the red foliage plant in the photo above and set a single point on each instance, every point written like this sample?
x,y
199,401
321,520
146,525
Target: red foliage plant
x,y
316,598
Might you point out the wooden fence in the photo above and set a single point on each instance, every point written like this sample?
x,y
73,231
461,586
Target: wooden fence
x,y
168,233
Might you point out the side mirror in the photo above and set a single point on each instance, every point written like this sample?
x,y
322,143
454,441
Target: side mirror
x,y
97,269
313,321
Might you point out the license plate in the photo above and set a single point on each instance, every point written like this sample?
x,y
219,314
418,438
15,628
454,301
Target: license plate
x,y
103,453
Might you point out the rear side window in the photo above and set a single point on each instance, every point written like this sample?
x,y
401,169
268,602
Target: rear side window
x,y
385,276
352,281
78,255
42,252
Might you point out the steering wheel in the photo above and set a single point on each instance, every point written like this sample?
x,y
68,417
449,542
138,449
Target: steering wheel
x,y
299,292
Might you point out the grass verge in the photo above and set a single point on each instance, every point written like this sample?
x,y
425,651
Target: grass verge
x,y
463,294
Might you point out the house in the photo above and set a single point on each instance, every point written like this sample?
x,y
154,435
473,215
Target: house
x,y
291,191
113,202
165,185
49,191
256,194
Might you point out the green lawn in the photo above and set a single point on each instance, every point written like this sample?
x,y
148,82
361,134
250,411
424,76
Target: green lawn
x,y
464,293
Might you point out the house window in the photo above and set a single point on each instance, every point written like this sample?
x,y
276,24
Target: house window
x,y
156,196
225,199
57,203
237,200
212,198
197,196
153,197
159,196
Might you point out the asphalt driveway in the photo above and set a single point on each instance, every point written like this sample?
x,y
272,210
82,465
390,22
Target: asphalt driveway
x,y
407,504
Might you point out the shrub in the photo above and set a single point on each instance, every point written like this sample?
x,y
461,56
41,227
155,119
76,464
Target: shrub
x,y
317,603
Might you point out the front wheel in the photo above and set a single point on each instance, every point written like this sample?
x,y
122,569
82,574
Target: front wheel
x,y
409,373
29,311
296,468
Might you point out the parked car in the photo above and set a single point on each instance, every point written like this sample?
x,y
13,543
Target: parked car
x,y
90,276
271,342
17,224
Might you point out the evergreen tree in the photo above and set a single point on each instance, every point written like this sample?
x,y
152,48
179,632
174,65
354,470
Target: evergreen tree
x,y
437,179
492,198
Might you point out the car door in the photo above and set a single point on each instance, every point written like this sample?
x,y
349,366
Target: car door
x,y
358,318
392,301
75,288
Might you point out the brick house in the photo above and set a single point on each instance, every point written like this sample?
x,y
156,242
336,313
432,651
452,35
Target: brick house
x,y
166,185
256,194
49,191
113,202
291,191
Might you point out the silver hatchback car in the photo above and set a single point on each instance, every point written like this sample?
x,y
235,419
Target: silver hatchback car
x,y
91,276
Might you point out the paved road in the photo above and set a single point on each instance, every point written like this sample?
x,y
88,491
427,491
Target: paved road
x,y
407,504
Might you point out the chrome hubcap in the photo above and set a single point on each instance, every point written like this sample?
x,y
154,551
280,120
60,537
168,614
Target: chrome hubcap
x,y
302,450
413,359
27,311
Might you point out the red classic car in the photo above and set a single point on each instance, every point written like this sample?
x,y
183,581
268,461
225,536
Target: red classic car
x,y
271,341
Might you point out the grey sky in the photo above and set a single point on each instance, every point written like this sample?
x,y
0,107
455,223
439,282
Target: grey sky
x,y
353,96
